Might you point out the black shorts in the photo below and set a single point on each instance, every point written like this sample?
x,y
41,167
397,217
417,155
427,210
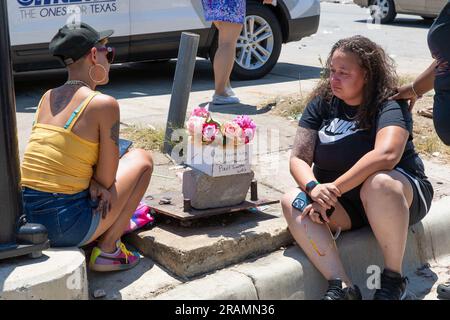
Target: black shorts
x,y
422,197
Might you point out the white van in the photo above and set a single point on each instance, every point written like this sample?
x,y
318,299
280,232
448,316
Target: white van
x,y
151,29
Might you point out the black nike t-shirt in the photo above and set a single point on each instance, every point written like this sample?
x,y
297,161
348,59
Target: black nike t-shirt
x,y
341,143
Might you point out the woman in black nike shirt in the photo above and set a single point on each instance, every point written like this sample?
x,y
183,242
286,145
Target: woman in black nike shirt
x,y
437,76
358,145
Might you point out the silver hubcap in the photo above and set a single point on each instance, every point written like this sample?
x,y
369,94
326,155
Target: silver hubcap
x,y
255,44
380,8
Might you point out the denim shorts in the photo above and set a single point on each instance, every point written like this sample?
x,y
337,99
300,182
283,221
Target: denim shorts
x,y
69,218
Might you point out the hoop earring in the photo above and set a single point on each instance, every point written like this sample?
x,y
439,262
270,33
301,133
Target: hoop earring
x,y
104,72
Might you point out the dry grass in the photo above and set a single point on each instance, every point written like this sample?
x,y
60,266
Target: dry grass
x,y
144,137
290,107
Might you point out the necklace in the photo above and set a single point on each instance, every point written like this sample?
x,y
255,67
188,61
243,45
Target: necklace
x,y
78,83
348,117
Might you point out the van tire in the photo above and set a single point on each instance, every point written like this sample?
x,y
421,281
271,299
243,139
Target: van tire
x,y
389,11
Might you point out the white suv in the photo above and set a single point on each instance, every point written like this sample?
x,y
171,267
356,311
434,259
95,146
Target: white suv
x,y
151,29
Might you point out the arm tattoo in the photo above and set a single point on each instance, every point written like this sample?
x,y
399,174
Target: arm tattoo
x,y
304,145
115,132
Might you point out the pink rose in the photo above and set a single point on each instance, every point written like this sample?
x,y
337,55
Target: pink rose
x,y
210,132
249,134
200,112
195,125
231,130
244,122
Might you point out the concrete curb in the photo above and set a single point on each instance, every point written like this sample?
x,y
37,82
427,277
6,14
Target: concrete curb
x,y
190,252
223,285
58,274
288,274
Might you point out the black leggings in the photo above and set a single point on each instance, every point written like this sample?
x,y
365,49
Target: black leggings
x,y
441,116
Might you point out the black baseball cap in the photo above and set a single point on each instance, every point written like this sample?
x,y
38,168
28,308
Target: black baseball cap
x,y
73,41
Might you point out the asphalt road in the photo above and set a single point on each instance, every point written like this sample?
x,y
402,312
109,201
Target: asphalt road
x,y
143,89
404,39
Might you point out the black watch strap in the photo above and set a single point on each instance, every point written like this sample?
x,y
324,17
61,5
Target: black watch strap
x,y
310,186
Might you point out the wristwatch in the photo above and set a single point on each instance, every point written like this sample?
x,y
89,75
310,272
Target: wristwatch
x,y
310,186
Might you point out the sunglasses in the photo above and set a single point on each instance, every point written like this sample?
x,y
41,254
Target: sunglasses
x,y
110,53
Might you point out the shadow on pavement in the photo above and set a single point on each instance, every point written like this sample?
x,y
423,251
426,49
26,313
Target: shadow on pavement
x,y
144,79
237,109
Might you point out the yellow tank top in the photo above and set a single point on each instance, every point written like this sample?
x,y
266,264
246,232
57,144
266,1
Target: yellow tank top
x,y
57,160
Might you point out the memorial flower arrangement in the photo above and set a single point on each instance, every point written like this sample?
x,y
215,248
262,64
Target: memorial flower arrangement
x,y
241,130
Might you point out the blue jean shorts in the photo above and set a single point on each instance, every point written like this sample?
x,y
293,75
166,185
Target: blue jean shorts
x,y
69,218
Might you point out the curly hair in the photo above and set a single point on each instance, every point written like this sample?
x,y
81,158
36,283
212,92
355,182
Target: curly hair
x,y
382,78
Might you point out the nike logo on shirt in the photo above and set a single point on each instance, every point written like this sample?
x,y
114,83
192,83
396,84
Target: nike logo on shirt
x,y
337,129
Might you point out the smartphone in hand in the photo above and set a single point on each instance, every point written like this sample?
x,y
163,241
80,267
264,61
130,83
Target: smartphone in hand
x,y
124,145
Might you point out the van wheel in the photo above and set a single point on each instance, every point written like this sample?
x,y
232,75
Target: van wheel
x,y
259,45
383,11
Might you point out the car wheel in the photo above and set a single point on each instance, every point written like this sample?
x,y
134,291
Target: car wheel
x,y
383,11
259,45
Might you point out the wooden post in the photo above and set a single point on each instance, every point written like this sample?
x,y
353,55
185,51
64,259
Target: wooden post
x,y
182,85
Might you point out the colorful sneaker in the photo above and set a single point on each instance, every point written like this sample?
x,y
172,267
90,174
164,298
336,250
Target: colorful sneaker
x,y
122,259
335,291
393,286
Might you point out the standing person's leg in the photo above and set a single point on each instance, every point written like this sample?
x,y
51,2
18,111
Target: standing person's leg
x,y
132,180
316,240
386,197
225,54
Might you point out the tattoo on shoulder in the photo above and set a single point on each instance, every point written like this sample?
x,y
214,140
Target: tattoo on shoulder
x,y
304,145
115,132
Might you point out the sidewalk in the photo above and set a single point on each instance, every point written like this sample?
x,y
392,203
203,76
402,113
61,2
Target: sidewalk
x,y
287,274
260,260
247,271
283,272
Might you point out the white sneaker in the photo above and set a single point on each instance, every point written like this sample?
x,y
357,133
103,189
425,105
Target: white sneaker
x,y
229,91
225,100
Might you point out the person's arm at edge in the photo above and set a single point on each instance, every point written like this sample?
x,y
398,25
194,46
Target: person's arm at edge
x,y
421,85
425,81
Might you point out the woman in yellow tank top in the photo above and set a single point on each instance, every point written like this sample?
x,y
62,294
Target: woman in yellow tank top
x,y
72,179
